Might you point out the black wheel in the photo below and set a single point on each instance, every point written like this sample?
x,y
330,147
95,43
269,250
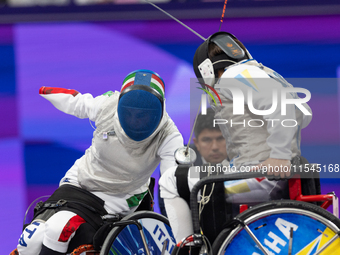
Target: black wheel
x,y
127,239
281,227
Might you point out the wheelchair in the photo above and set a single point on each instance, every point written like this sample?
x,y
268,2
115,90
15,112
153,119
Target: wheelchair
x,y
272,228
142,232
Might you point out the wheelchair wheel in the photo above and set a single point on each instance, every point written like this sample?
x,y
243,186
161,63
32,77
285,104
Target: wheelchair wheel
x,y
127,239
281,227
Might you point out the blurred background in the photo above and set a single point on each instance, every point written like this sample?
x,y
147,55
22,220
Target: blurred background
x,y
91,45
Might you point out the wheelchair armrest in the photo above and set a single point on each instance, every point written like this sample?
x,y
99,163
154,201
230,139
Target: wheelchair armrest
x,y
295,189
212,179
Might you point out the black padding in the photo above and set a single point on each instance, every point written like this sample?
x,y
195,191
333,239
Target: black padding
x,y
217,212
182,182
77,200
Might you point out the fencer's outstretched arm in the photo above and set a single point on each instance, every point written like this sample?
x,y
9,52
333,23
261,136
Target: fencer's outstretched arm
x,y
73,102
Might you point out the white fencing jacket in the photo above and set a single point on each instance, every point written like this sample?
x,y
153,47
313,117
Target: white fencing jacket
x,y
252,137
114,163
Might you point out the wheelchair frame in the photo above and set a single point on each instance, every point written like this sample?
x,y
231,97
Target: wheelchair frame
x,y
295,192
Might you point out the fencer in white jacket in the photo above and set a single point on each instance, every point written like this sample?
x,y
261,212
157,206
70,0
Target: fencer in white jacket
x,y
133,135
257,135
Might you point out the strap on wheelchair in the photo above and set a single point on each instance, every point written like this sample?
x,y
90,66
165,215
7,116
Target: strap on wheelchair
x,y
88,206
182,182
71,198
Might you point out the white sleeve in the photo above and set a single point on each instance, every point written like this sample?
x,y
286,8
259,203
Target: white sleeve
x,y
179,215
167,151
72,102
177,209
261,87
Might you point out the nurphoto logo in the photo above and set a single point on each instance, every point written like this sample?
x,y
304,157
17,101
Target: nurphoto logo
x,y
279,98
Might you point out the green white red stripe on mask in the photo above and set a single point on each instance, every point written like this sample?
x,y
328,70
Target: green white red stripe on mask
x,y
144,78
157,84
